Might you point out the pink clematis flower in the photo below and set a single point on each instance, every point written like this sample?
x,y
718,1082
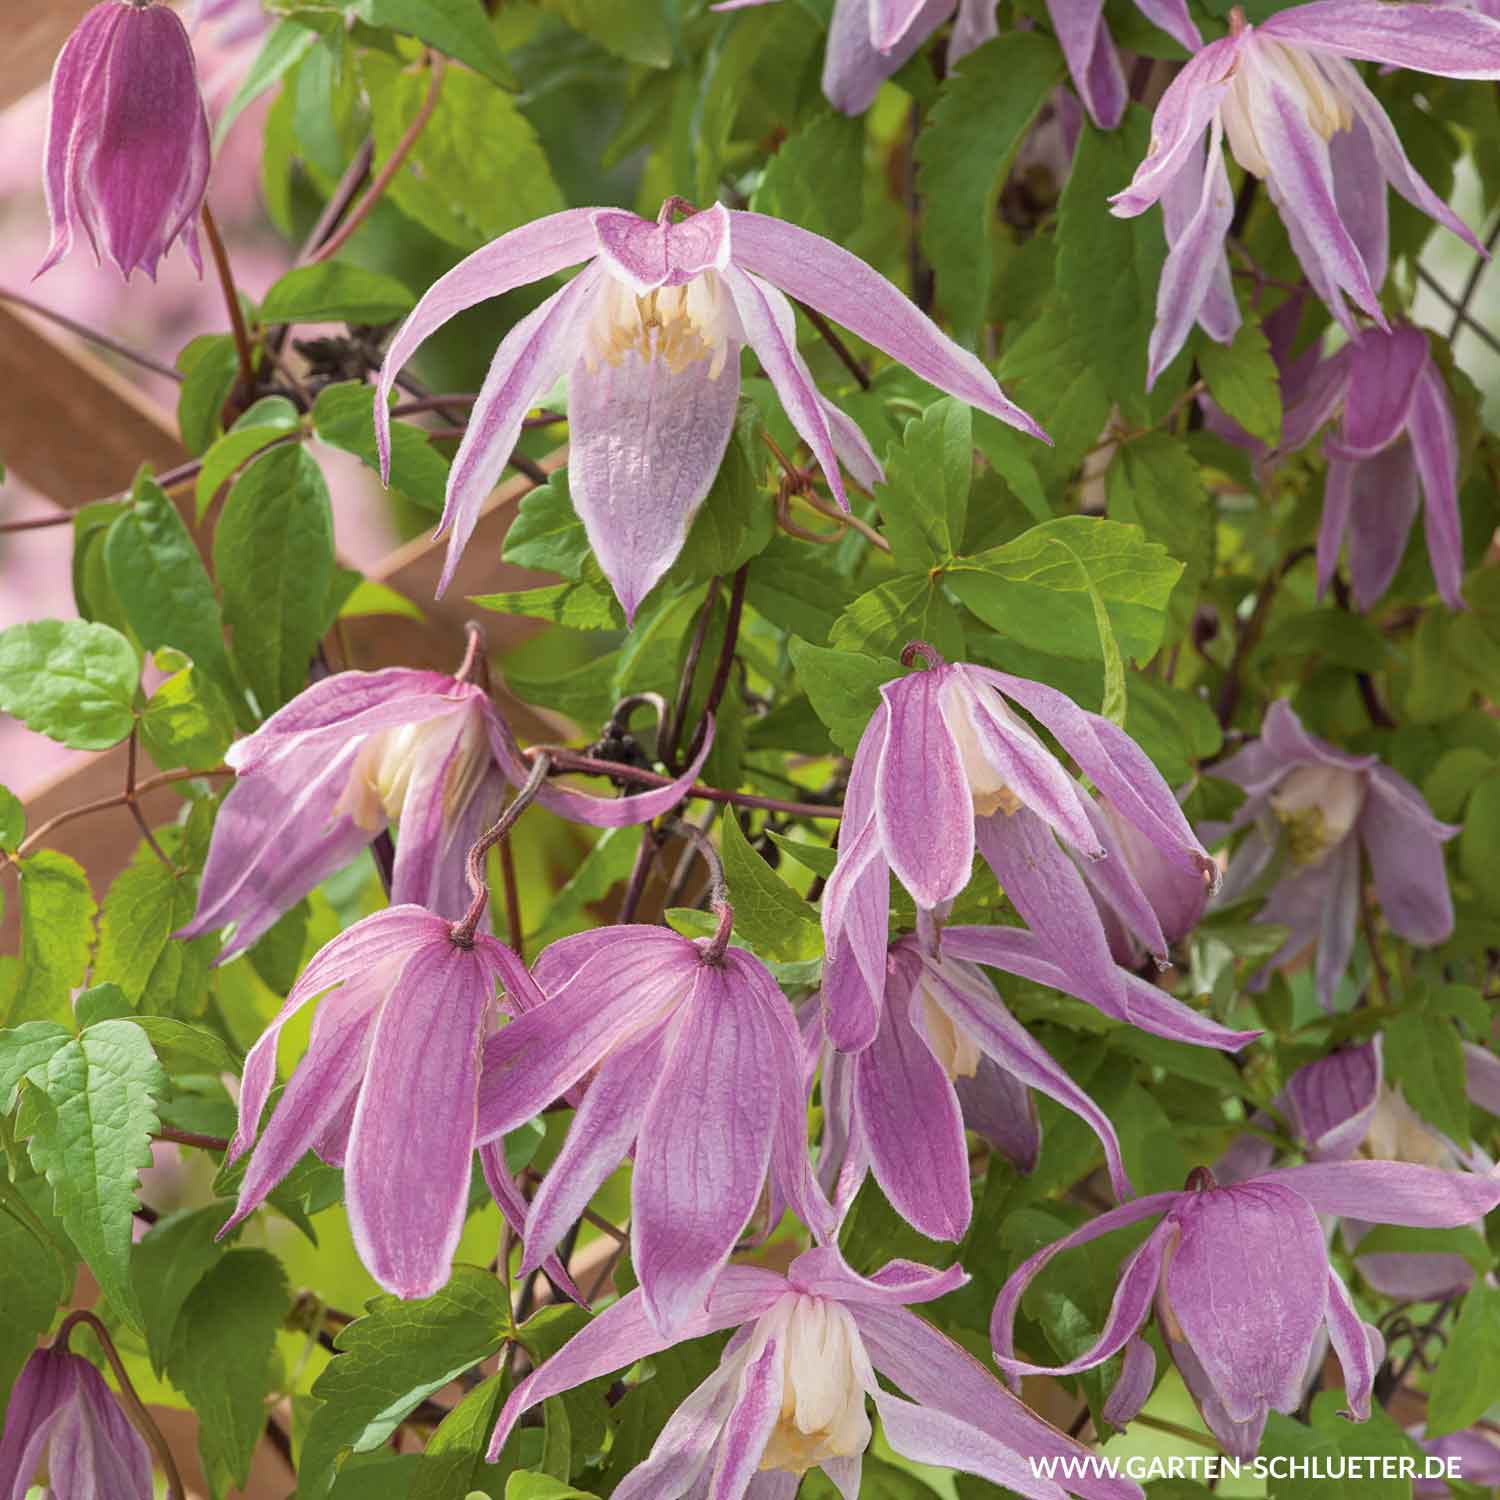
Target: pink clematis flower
x,y
387,1087
947,764
948,1055
789,1394
127,138
353,755
1243,1288
1395,446
649,335
689,1051
1323,806
1295,113
62,1410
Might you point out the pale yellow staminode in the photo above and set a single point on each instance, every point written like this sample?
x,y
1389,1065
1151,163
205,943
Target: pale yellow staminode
x,y
987,787
1302,76
677,324
956,1051
1318,806
822,1395
380,778
1397,1133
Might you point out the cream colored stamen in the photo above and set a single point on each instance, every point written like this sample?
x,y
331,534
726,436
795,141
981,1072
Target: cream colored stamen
x,y
956,1051
677,324
1396,1133
986,786
1318,806
1322,102
822,1396
381,776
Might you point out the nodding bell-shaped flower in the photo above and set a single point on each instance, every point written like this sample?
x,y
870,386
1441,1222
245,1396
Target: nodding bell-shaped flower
x,y
354,755
1323,806
688,1052
1296,114
948,1055
947,764
1243,1289
789,1393
649,335
1395,448
61,1410
387,1087
127,138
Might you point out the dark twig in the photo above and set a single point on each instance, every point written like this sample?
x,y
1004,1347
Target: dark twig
x,y
666,750
1463,318
1471,282
37,523
839,347
93,336
231,300
339,202
463,931
134,805
191,1138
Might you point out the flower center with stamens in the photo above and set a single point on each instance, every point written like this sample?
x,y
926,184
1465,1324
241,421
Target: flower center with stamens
x,y
822,1396
956,1051
1304,84
1317,805
381,776
1397,1134
986,785
677,324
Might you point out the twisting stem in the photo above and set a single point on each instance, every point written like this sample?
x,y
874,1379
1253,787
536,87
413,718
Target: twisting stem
x,y
133,1403
635,887
93,336
438,66
718,897
512,900
134,805
231,298
475,633
463,932
191,1138
672,730
725,664
355,175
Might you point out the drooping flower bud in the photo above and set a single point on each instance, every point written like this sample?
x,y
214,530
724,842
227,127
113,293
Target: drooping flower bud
x,y
127,139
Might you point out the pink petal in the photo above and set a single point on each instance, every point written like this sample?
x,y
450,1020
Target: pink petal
x,y
1393,1192
1434,441
646,254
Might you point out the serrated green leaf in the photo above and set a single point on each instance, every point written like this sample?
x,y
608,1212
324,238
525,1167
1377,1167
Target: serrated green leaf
x,y
843,687
344,418
70,680
57,932
211,367
884,620
637,30
187,722
580,605
1327,1439
964,154
459,28
334,292
1243,379
270,420
546,533
394,1357
90,1117
158,973
769,916
183,1048
1468,1373
1112,707
453,1461
177,1252
735,522
273,557
25,1047
816,178
237,1309
1424,1058
794,589
925,498
31,1287
370,598
1030,590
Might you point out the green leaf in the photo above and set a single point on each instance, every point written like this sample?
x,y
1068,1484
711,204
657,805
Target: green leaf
x,y
177,1252
370,598
281,51
271,419
1399,1239
344,418
924,500
816,178
187,721
581,605
235,1310
1031,591
637,30
1424,1058
964,154
89,1118
524,1484
1243,379
769,916
182,1048
459,28
162,585
477,170
23,1048
912,607
159,974
546,533
211,368
1327,1440
12,820
1468,1374
453,1461
273,557
794,589
843,688
70,680
393,1358
334,292
1112,706
57,932
31,1287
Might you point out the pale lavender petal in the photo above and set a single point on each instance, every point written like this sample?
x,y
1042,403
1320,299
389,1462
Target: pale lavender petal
x,y
647,254
47,1383
1340,916
973,26
1173,18
1447,40
1093,63
1405,845
1239,1439
1332,1100
823,1272
1247,1286
103,1457
685,1446
1287,741
844,288
1482,1077
1384,490
704,1145
1359,1347
407,1176
1319,397
890,20
1132,1389
530,253
843,1156
852,446
1359,185
1338,503
513,1206
1383,374
923,805
623,1333
1434,441
646,443
853,69
749,1426
1133,1295
74,83
530,360
1393,1192
998,1106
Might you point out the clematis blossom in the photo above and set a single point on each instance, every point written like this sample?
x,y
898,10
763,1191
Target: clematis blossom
x,y
789,1393
1294,112
127,153
358,753
62,1410
387,1088
686,1051
1395,447
1323,806
949,1054
649,335
1243,1289
947,764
